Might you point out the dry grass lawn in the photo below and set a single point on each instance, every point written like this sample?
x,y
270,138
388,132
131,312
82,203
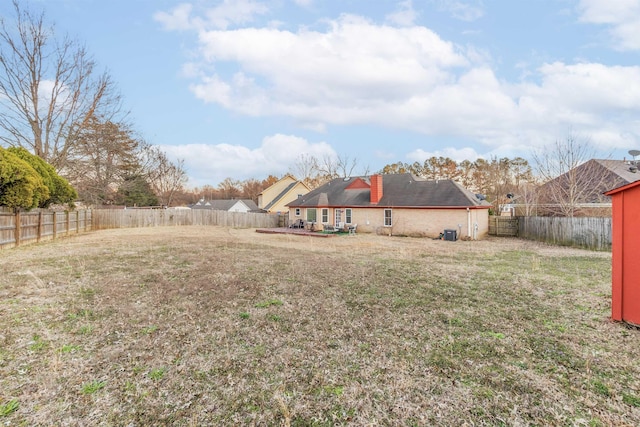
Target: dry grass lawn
x,y
215,326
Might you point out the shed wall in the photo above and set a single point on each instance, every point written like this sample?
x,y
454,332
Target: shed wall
x,y
625,248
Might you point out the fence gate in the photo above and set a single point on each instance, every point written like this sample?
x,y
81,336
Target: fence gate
x,y
503,226
283,220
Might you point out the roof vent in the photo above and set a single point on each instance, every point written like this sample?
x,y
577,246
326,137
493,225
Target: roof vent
x,y
633,168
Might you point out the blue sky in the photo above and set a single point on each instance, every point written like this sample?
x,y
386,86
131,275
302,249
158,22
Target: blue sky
x,y
242,88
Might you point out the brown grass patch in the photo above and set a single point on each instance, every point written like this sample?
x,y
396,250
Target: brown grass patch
x,y
217,326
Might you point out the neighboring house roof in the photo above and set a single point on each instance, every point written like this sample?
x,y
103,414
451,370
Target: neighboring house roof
x,y
597,176
398,190
251,205
225,205
622,188
281,192
621,168
280,196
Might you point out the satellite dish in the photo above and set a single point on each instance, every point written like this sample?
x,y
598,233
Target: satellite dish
x,y
634,153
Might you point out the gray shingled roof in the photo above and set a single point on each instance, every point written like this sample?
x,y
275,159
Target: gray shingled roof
x,y
223,205
281,195
620,168
596,177
398,190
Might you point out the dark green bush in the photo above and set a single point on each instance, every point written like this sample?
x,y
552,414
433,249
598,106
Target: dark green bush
x,y
21,186
60,191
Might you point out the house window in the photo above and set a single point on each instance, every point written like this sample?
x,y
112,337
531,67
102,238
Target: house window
x,y
338,213
387,218
325,215
347,216
311,215
297,211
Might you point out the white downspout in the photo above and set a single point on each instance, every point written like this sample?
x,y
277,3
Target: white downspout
x,y
468,223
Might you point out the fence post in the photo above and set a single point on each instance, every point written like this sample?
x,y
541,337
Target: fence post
x,y
40,225
18,228
68,214
55,225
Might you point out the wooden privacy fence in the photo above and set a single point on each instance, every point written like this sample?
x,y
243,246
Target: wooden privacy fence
x,y
585,232
503,226
131,218
30,227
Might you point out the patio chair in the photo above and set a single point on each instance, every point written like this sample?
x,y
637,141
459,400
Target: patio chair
x,y
352,229
298,223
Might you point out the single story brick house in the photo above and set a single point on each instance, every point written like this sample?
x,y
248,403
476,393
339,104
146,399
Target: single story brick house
x,y
394,204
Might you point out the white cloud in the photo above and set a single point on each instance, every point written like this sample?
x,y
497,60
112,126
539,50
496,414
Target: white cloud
x,y
178,19
405,16
592,87
464,10
349,74
212,163
235,12
357,72
622,16
222,16
453,153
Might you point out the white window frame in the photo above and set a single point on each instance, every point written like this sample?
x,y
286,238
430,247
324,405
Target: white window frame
x,y
325,215
388,223
315,214
297,211
348,216
337,216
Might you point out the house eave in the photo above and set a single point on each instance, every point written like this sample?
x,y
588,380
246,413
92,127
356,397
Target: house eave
x,y
385,207
622,188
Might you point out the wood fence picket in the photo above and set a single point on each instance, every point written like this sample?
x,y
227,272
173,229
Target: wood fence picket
x,y
586,232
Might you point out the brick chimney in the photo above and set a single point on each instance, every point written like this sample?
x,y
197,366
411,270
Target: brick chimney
x,y
376,188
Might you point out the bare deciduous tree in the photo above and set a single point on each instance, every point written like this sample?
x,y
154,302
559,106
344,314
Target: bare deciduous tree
x,y
229,189
306,169
569,179
251,188
165,177
314,172
49,88
328,168
337,167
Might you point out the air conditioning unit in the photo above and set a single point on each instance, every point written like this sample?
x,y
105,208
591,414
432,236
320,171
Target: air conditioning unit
x,y
450,235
